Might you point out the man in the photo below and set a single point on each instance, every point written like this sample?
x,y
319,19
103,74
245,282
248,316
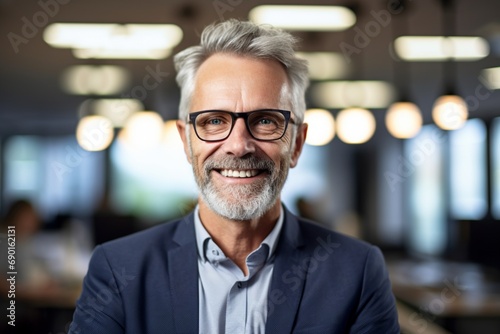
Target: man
x,y
240,263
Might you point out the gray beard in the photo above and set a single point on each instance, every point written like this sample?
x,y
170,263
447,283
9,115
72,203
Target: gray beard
x,y
242,202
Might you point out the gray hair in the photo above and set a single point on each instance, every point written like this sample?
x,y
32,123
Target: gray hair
x,y
247,39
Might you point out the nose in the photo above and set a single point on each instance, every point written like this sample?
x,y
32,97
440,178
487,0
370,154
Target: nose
x,y
240,142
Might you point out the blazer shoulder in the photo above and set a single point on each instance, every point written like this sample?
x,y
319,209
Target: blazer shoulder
x,y
344,248
311,231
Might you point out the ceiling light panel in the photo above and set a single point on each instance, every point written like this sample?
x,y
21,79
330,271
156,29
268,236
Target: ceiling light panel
x,y
95,80
344,94
304,18
492,77
115,40
124,53
325,65
439,48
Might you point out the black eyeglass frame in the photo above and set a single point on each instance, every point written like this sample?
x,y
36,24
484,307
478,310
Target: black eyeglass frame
x,y
235,115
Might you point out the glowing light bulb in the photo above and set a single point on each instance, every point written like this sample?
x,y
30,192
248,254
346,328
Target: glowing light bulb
x,y
321,127
143,129
450,112
355,125
94,133
403,120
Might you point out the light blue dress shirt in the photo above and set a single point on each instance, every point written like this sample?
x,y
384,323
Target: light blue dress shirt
x,y
229,301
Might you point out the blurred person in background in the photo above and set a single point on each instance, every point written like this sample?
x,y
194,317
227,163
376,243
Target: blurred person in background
x,y
241,262
32,280
48,266
32,273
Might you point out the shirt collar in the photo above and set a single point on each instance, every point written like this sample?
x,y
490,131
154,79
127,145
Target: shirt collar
x,y
202,235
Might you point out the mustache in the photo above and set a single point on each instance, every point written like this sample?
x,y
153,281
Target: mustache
x,y
248,162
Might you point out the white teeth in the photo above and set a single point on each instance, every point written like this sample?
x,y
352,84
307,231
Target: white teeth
x,y
238,173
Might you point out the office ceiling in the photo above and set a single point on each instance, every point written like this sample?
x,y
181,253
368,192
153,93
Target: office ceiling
x,y
32,101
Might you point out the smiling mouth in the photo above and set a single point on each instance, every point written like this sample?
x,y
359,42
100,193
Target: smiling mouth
x,y
240,173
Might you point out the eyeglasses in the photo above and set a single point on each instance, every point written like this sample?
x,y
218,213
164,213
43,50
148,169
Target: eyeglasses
x,y
263,124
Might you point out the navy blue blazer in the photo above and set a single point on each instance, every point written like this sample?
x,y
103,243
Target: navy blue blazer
x,y
323,282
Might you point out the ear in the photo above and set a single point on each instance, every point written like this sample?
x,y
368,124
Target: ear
x,y
181,127
300,139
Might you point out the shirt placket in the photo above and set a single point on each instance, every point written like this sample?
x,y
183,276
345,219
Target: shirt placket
x,y
237,299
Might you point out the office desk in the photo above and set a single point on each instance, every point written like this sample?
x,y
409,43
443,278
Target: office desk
x,y
447,293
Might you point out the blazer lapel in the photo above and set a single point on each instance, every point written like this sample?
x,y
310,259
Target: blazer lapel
x,y
183,269
286,285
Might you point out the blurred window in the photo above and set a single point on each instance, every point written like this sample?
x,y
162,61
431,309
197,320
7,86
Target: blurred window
x,y
153,183
468,171
308,179
54,173
423,166
495,168
21,166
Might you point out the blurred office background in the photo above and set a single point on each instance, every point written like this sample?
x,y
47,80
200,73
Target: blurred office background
x,y
403,148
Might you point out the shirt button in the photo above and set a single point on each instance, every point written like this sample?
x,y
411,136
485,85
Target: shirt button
x,y
215,252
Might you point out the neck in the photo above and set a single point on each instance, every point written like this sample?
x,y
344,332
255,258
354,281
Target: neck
x,y
237,239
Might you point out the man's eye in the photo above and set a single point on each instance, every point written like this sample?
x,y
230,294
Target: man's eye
x,y
215,121
265,121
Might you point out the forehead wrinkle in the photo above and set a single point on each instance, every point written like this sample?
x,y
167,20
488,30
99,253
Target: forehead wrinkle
x,y
222,84
277,99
